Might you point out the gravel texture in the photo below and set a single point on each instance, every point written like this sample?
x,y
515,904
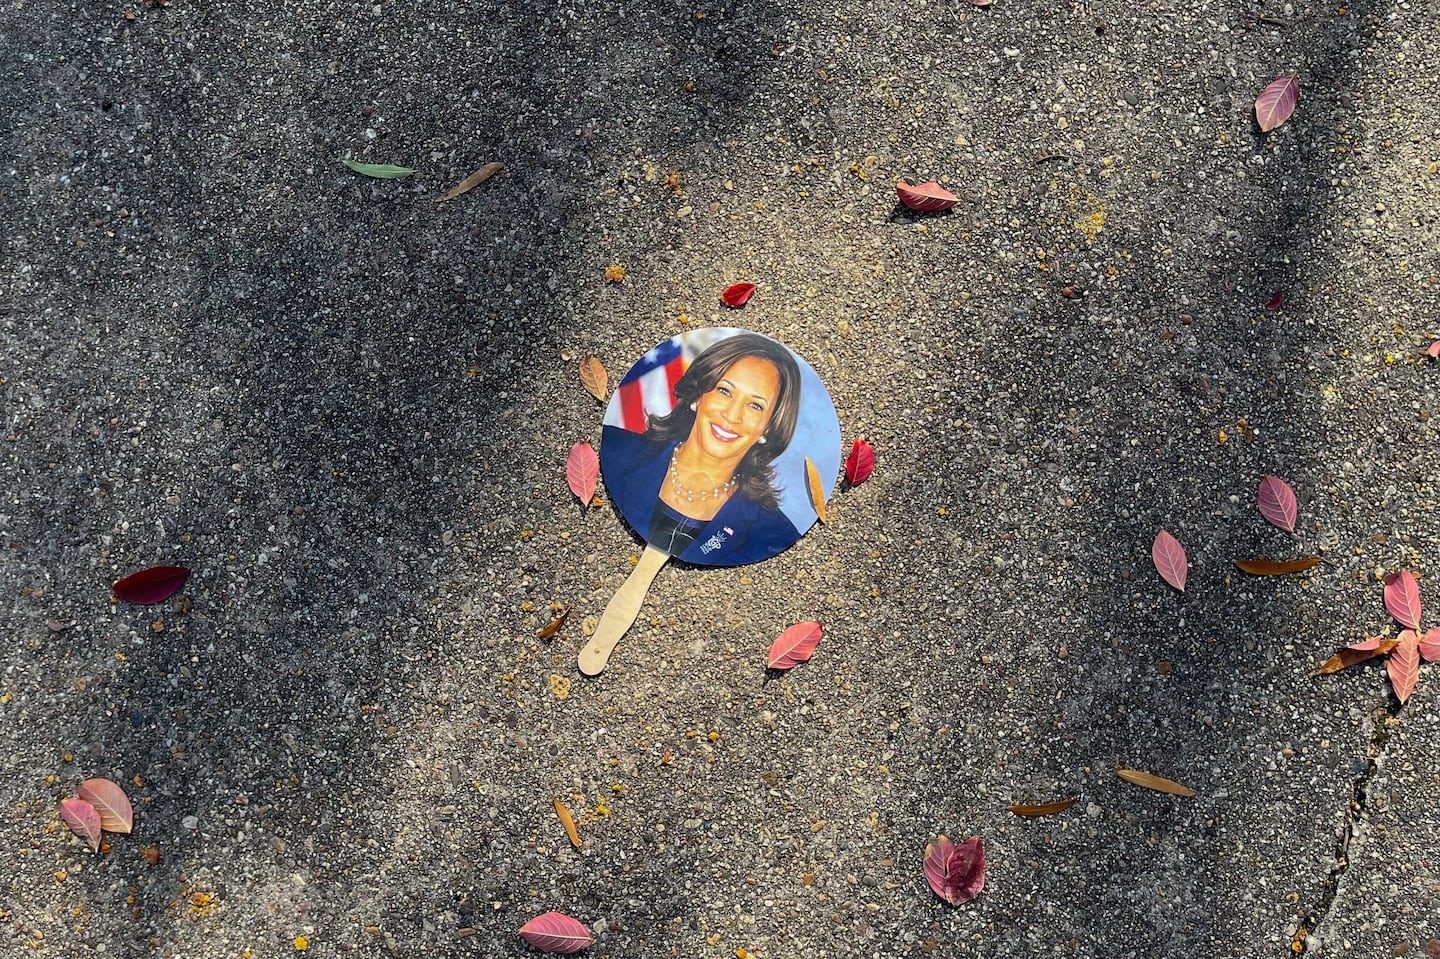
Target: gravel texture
x,y
347,408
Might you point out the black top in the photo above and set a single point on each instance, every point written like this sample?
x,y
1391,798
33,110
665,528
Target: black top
x,y
671,530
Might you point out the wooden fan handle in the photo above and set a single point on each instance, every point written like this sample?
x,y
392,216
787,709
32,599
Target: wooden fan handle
x,y
621,611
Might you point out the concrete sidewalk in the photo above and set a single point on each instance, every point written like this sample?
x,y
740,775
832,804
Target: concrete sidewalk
x,y
347,409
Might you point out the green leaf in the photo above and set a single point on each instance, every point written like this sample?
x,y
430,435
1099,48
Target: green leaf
x,y
383,171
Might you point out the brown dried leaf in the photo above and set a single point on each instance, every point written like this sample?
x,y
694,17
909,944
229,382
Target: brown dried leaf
x,y
1157,783
554,626
817,489
1275,567
1351,655
593,377
568,821
1046,809
472,181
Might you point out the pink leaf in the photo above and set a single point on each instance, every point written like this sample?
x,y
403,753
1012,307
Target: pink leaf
x,y
927,197
793,646
1277,502
860,463
1169,557
1276,102
956,873
151,585
83,821
1402,599
1434,351
1275,302
737,294
582,470
110,802
1430,645
1404,665
556,932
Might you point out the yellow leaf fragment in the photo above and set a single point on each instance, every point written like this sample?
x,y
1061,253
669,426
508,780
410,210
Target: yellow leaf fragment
x,y
568,821
472,181
1157,783
302,943
559,685
614,273
817,489
554,626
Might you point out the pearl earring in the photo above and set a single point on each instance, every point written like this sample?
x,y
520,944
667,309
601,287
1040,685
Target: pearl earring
x,y
760,440
692,407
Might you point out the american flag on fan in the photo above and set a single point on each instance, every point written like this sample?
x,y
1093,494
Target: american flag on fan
x,y
649,387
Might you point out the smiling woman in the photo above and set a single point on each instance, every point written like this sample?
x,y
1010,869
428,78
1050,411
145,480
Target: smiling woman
x,y
695,450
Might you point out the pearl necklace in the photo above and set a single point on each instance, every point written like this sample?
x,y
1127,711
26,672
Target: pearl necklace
x,y
696,496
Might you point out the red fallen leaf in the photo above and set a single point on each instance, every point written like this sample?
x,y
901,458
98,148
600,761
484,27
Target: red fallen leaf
x,y
1276,102
1359,653
83,821
1277,502
1402,599
110,802
1430,645
1169,558
1434,351
1404,665
151,585
793,646
927,197
737,294
860,463
556,932
1275,302
956,873
582,470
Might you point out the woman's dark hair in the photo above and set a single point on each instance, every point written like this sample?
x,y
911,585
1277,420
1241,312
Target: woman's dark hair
x,y
755,475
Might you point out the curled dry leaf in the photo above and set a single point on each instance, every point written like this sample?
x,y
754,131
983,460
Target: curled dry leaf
x,y
1276,102
1276,299
568,821
110,802
1404,664
472,181
1046,809
556,932
817,489
1430,645
1157,783
1272,567
1169,558
554,625
927,197
381,171
582,471
860,463
593,377
955,873
1359,653
793,646
737,294
1276,501
151,585
1402,598
83,820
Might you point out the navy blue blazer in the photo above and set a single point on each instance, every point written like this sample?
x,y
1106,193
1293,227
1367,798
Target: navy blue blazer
x,y
742,532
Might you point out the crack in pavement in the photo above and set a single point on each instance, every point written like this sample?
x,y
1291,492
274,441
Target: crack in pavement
x,y
1384,718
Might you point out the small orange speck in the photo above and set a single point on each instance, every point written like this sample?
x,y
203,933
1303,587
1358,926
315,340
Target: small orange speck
x,y
614,273
714,735
69,757
60,875
301,943
105,847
